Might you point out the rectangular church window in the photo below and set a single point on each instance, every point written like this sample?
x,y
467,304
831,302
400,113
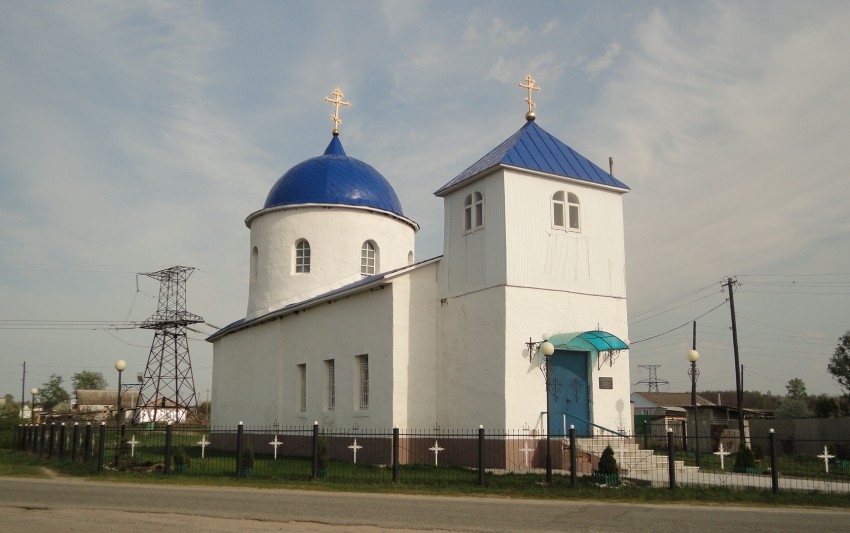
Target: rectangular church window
x,y
302,387
363,378
330,401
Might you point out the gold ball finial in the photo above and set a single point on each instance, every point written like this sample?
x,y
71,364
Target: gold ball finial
x,y
530,116
335,132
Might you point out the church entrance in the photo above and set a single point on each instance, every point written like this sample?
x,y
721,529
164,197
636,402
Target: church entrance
x,y
569,393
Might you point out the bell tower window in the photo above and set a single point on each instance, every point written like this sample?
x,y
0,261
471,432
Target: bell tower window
x,y
573,205
473,212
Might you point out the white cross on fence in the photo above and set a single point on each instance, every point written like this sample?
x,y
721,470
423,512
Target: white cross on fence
x,y
525,451
436,449
826,457
722,453
132,442
355,447
275,443
203,443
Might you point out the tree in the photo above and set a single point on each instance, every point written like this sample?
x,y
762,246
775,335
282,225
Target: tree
x,y
88,380
796,389
793,408
839,363
52,393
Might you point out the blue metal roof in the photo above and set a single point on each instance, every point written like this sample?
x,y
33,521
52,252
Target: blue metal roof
x,y
534,148
334,178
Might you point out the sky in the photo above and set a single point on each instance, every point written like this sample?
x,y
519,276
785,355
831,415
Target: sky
x,y
135,136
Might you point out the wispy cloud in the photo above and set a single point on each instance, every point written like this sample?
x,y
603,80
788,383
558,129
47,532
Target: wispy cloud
x,y
595,66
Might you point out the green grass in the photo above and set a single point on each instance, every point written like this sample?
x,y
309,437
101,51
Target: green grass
x,y
294,473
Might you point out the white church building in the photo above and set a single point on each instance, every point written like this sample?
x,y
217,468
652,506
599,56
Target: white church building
x,y
346,327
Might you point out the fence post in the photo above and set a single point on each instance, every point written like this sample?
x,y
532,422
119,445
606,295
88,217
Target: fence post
x,y
671,460
573,455
51,440
396,459
87,444
100,442
62,440
645,435
315,451
481,456
167,470
240,431
685,436
774,467
75,436
42,437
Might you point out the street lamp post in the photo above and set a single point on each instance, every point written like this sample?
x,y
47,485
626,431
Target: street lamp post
x,y
33,391
547,349
693,356
120,365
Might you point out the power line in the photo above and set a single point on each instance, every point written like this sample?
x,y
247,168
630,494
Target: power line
x,y
688,323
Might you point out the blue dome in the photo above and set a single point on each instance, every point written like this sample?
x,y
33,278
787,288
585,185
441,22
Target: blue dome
x,y
334,178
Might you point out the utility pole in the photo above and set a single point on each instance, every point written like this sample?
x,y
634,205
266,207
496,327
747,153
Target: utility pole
x,y
23,388
738,378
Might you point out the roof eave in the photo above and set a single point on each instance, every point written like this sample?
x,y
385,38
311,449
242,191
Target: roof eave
x,y
250,218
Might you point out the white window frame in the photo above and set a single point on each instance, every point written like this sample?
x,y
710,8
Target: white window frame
x,y
362,366
473,212
302,256
369,258
559,210
573,212
330,399
302,387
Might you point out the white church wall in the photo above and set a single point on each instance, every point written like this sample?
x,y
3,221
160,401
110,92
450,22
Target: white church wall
x,y
335,234
342,331
477,257
470,364
256,375
246,377
415,304
591,260
538,312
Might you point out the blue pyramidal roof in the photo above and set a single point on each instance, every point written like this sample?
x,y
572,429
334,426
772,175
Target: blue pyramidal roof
x,y
334,178
534,148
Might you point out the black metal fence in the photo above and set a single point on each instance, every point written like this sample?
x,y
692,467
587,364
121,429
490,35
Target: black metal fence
x,y
435,457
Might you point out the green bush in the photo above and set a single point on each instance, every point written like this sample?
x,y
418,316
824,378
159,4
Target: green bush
x,y
745,458
607,463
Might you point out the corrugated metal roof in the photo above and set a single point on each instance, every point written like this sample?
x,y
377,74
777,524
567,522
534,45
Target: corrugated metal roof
x,y
672,399
334,178
534,148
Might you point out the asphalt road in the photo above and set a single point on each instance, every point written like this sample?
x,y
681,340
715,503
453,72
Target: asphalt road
x,y
66,504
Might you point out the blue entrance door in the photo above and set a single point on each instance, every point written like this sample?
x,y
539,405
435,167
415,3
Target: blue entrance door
x,y
569,393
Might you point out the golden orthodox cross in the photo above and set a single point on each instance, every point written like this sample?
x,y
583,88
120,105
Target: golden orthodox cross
x,y
529,84
337,101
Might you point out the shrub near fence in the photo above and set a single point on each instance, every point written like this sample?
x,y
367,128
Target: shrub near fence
x,y
428,457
